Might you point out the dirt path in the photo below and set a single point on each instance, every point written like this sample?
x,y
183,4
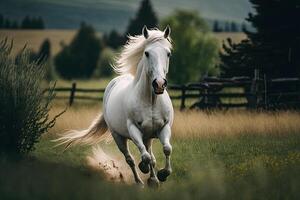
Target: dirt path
x,y
115,169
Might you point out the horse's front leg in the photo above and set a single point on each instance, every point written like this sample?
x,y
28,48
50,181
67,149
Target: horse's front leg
x,y
152,180
164,137
137,139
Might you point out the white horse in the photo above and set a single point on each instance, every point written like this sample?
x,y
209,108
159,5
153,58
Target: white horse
x,y
136,105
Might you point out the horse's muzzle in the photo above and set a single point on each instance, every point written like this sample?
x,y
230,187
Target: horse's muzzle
x,y
159,85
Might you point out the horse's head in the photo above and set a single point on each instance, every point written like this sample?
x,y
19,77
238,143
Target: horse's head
x,y
157,56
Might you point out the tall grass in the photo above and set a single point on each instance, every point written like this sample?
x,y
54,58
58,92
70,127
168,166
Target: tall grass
x,y
191,124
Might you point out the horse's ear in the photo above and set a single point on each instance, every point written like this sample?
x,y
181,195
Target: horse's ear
x,y
145,32
167,31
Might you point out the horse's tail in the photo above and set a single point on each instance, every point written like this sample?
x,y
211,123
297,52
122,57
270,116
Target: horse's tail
x,y
92,135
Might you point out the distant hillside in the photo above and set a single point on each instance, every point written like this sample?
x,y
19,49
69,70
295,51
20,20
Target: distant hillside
x,y
108,14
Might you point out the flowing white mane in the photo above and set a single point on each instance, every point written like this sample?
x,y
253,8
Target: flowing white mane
x,y
132,52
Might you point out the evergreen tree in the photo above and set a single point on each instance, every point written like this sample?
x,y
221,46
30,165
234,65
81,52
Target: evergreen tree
x,y
274,47
233,27
227,27
79,59
1,21
40,23
7,24
26,23
113,39
45,50
244,27
14,25
216,27
145,16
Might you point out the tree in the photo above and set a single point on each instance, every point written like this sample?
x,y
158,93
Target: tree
x,y
233,27
227,27
244,27
216,27
114,39
145,16
195,51
1,21
14,25
26,23
7,23
274,47
45,50
79,59
40,23
105,61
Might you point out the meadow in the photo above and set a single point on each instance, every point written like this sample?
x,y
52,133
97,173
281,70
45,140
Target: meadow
x,y
34,38
236,154
216,155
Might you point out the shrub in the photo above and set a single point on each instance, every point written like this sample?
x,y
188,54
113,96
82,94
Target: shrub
x,y
195,52
24,110
105,61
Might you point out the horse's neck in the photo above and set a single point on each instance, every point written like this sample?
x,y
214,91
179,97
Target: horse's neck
x,y
143,85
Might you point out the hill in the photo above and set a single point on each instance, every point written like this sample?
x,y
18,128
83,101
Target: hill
x,y
108,14
34,38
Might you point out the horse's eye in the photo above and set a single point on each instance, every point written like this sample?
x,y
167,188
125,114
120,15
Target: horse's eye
x,y
147,54
169,54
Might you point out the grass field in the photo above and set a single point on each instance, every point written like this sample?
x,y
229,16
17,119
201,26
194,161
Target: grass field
x,y
34,38
233,155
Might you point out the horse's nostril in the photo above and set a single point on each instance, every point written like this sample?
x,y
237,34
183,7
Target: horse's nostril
x,y
154,84
165,83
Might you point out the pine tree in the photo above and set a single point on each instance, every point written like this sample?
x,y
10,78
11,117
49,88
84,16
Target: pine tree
x,y
7,24
145,16
233,27
45,50
244,27
216,27
26,23
227,27
14,25
79,59
274,47
1,21
114,39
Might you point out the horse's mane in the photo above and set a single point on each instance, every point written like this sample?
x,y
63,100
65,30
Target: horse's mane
x,y
132,51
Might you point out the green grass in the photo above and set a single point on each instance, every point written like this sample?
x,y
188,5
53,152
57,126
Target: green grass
x,y
237,167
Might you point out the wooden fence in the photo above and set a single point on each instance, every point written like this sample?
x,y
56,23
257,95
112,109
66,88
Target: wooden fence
x,y
217,93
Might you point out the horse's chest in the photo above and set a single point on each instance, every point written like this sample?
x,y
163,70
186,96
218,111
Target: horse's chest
x,y
150,122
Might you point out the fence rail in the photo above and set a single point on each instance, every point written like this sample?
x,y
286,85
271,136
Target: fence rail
x,y
211,92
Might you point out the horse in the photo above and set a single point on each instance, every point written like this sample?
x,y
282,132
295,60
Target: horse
x,y
136,105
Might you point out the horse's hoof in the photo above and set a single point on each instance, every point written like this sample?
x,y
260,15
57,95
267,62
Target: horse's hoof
x,y
163,174
153,182
144,167
140,184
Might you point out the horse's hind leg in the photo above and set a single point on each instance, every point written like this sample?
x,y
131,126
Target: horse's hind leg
x,y
164,137
152,180
123,147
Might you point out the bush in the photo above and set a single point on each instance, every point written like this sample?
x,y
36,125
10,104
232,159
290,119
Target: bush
x,y
105,61
195,52
24,112
79,59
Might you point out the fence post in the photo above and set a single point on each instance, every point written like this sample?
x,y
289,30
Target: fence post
x,y
253,100
182,106
72,94
266,90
